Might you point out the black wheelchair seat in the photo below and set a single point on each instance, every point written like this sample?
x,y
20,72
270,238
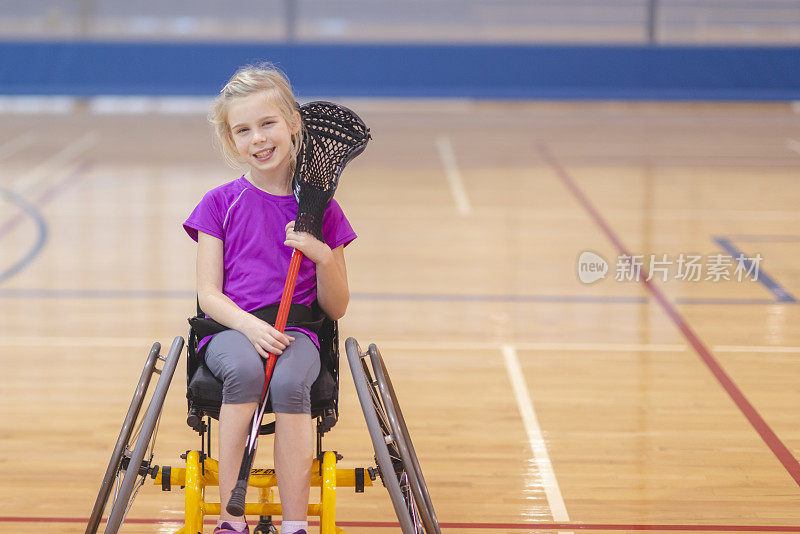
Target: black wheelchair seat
x,y
204,391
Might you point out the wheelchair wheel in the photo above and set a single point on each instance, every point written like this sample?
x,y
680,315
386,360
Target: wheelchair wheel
x,y
132,457
397,461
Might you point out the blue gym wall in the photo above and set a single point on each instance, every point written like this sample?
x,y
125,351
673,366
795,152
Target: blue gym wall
x,y
469,71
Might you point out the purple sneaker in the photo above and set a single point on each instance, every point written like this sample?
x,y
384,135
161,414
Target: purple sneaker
x,y
301,531
226,528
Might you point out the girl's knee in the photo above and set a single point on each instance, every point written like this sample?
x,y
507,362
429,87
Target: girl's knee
x,y
290,395
234,360
245,385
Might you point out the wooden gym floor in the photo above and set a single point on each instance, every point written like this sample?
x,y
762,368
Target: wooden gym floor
x,y
536,402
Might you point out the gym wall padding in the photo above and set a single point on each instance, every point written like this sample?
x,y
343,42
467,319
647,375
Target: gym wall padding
x,y
380,70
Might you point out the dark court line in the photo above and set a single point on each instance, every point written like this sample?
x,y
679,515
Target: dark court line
x,y
31,211
770,439
780,292
180,294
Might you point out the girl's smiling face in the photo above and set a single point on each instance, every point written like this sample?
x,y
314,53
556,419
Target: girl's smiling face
x,y
262,137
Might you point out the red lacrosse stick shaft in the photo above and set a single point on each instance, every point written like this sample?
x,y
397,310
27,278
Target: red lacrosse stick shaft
x,y
236,504
283,312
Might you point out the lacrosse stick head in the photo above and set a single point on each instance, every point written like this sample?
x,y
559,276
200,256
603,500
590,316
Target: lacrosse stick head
x,y
333,136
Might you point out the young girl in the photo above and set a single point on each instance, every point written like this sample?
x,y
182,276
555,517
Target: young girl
x,y
245,235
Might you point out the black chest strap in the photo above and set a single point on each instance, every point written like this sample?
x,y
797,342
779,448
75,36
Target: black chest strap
x,y
310,318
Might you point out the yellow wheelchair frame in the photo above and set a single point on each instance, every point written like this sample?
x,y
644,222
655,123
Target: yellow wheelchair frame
x,y
131,461
199,474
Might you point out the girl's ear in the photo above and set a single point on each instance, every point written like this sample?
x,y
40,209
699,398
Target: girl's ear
x,y
296,122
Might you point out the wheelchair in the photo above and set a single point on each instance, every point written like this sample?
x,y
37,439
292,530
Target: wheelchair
x,y
395,461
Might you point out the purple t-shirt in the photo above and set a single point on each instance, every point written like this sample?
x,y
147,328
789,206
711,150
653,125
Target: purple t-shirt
x,y
251,224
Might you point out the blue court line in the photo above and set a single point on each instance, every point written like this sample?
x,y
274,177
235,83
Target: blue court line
x,y
35,293
41,237
781,294
23,293
455,297
402,297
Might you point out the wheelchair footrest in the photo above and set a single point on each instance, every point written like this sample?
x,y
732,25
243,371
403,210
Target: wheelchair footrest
x,y
168,476
201,472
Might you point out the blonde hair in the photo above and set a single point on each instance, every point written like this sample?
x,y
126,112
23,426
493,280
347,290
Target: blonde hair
x,y
249,80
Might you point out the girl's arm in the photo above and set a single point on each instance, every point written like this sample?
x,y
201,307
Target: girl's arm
x,y
264,337
332,290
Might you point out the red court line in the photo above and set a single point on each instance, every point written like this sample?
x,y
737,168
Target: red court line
x,y
769,437
507,526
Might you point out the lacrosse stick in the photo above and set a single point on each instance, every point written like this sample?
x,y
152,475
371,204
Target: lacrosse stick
x,y
333,136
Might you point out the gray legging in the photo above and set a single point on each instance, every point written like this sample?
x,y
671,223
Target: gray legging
x,y
234,360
